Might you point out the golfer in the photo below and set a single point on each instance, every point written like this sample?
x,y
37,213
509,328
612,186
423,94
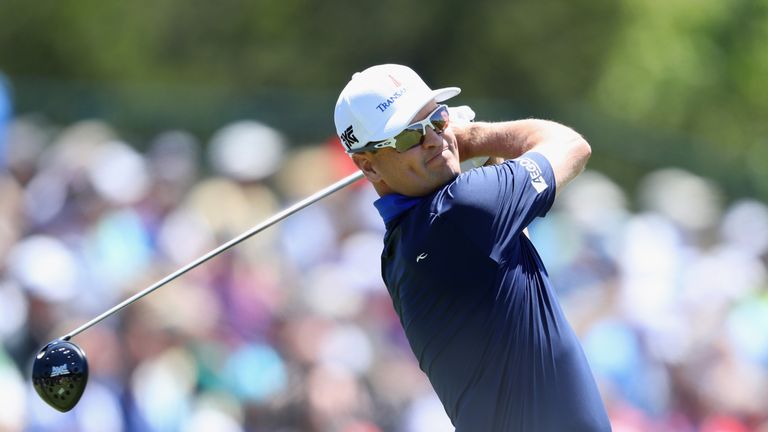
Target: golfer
x,y
471,291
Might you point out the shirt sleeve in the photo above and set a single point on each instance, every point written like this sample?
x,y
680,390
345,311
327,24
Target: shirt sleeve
x,y
494,204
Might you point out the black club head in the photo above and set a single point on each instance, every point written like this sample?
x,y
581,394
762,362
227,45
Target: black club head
x,y
60,373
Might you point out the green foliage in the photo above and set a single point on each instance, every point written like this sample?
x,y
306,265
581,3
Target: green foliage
x,y
685,74
698,67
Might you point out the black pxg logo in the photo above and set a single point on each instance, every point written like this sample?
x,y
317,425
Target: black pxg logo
x,y
348,138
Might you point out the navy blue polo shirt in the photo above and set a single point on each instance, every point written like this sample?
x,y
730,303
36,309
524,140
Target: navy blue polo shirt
x,y
478,308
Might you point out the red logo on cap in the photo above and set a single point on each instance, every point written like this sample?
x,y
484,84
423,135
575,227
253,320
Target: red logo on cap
x,y
394,81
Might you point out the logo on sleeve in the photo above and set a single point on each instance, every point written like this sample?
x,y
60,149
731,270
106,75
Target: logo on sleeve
x,y
537,179
349,138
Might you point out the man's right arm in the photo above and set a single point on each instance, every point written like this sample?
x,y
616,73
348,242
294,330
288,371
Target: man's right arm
x,y
565,149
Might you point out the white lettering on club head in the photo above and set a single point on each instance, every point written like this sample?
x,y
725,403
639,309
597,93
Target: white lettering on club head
x,y
59,370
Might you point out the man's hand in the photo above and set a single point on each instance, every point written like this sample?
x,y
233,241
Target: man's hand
x,y
461,115
461,119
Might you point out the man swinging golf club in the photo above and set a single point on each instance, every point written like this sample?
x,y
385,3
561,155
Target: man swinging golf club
x,y
471,292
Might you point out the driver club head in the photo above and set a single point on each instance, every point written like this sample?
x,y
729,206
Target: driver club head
x,y
60,373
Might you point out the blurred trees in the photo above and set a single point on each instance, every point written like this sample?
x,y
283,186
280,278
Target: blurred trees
x,y
651,83
698,67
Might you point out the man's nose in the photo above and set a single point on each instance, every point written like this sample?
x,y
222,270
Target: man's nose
x,y
432,138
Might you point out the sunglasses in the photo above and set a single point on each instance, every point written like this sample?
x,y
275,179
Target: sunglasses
x,y
412,135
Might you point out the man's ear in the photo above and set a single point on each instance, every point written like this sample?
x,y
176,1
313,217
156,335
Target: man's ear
x,y
364,162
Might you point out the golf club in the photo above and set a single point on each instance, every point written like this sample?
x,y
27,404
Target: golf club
x,y
60,369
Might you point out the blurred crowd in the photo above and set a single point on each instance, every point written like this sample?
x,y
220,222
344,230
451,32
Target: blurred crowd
x,y
293,330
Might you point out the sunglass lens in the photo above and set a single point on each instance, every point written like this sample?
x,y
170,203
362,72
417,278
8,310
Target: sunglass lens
x,y
439,119
408,139
414,134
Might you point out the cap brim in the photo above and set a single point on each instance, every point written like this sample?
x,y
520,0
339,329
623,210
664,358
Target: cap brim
x,y
399,122
446,93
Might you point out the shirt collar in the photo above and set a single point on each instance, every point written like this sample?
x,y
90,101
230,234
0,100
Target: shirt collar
x,y
393,205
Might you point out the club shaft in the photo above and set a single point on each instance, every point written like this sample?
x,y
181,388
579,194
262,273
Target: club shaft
x,y
244,236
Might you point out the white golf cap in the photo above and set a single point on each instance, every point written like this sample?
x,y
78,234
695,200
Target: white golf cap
x,y
380,101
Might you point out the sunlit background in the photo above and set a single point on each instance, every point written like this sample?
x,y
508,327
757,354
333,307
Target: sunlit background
x,y
136,136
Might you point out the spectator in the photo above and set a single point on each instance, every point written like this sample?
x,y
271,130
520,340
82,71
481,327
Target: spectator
x,y
5,116
292,331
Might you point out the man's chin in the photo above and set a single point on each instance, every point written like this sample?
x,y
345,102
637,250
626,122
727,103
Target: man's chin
x,y
449,172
